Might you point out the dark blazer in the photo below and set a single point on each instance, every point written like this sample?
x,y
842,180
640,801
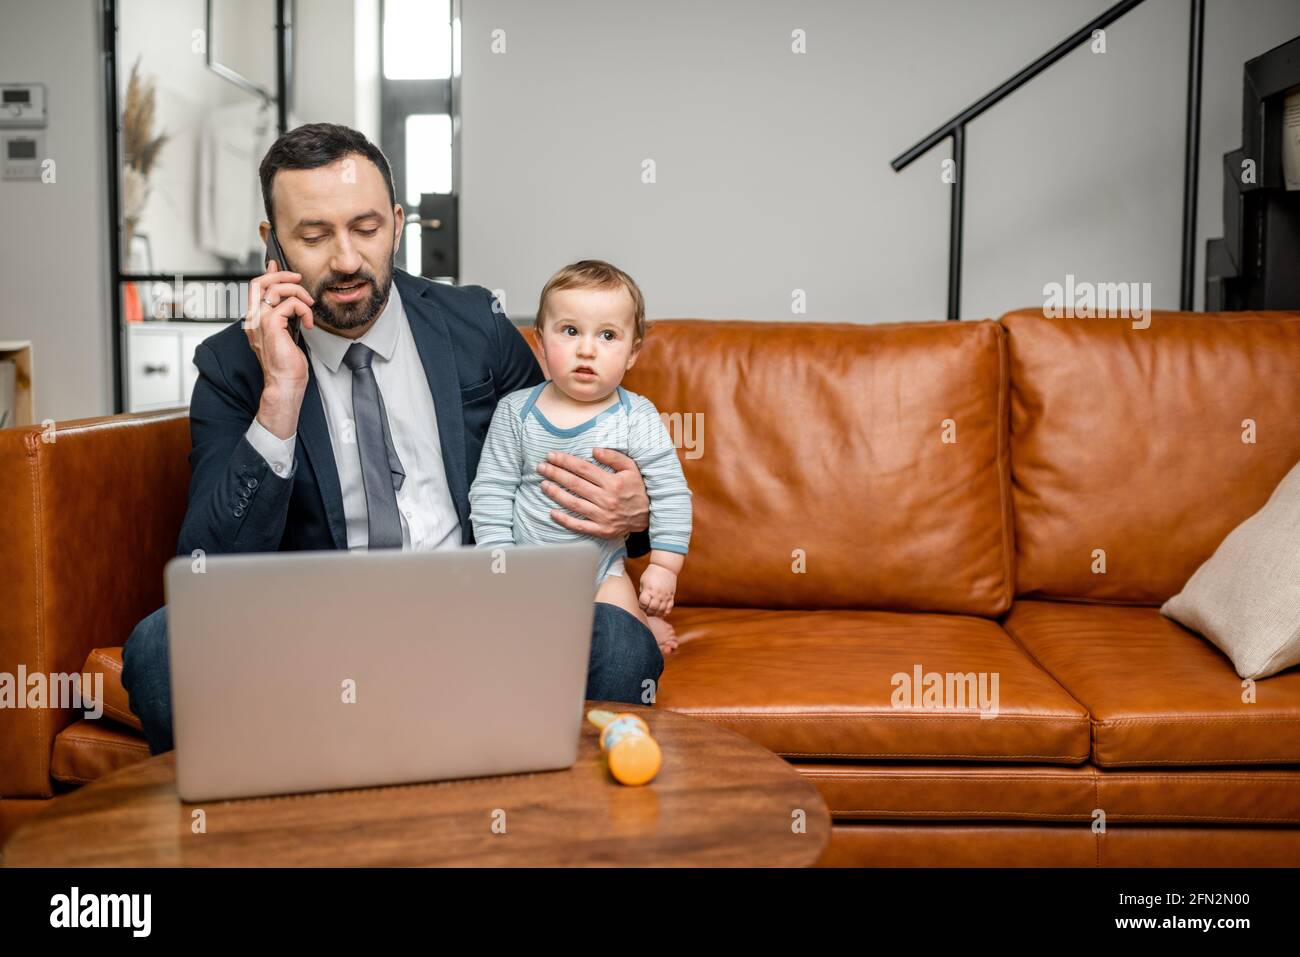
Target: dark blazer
x,y
472,356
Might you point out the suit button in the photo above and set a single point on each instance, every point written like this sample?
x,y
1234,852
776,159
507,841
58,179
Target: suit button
x,y
239,511
252,483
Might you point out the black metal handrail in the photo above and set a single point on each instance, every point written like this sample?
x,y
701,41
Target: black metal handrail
x,y
955,129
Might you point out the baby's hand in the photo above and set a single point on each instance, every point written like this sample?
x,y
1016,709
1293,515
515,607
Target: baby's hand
x,y
658,585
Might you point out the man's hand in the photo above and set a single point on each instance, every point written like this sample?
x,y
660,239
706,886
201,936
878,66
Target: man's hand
x,y
272,298
612,504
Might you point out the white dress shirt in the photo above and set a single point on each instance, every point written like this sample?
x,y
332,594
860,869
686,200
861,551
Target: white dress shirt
x,y
429,519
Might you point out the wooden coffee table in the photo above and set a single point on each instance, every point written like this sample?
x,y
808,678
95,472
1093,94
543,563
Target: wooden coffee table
x,y
719,800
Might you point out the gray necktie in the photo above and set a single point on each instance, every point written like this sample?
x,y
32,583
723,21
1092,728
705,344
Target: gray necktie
x,y
381,470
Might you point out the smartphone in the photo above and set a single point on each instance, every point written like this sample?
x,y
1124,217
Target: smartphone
x,y
273,251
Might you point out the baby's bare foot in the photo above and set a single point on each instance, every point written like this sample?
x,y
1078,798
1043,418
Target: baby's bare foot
x,y
665,634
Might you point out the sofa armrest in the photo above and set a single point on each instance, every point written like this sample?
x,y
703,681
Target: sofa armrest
x,y
117,705
90,515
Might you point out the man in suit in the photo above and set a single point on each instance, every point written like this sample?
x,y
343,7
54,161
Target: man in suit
x,y
365,432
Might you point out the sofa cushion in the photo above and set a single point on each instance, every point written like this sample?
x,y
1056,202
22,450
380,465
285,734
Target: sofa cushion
x,y
88,750
957,792
985,845
1159,695
1027,792
1246,597
838,465
1127,445
822,684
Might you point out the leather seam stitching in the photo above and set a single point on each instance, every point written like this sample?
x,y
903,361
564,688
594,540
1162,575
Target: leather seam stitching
x,y
961,775
1233,760
117,714
1065,815
1223,777
73,778
920,754
96,743
34,470
1200,719
1004,458
1228,777
1061,815
864,715
1096,803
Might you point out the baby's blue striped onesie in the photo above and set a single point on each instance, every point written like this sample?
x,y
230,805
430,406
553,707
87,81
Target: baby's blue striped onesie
x,y
508,506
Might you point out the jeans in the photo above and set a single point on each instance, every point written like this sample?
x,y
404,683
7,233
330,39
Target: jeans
x,y
624,657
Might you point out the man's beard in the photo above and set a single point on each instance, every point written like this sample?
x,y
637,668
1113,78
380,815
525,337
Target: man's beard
x,y
350,315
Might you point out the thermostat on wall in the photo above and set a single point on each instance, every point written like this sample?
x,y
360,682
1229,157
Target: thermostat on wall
x,y
22,104
21,155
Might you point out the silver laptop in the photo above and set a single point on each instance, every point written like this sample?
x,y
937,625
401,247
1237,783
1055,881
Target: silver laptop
x,y
310,671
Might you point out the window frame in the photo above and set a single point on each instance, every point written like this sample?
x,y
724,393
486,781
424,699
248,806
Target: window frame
x,y
399,99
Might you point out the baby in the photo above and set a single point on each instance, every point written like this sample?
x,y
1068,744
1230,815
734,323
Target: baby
x,y
590,326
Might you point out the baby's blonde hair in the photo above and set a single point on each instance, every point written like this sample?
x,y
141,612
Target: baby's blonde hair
x,y
594,274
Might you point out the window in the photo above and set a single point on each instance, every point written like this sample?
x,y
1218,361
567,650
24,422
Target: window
x,y
417,40
417,108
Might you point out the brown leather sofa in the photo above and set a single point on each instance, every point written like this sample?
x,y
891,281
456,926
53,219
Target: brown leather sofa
x,y
1010,499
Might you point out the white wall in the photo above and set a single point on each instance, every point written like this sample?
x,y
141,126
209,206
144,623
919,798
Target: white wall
x,y
365,56
773,168
159,34
54,240
325,49
54,236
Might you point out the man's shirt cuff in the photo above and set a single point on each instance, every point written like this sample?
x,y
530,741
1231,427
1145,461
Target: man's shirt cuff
x,y
278,452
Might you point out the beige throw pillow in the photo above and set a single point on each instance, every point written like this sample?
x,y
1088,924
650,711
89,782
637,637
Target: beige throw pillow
x,y
1246,598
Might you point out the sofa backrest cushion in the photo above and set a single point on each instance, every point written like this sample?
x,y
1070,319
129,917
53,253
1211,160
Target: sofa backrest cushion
x,y
1135,451
838,465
